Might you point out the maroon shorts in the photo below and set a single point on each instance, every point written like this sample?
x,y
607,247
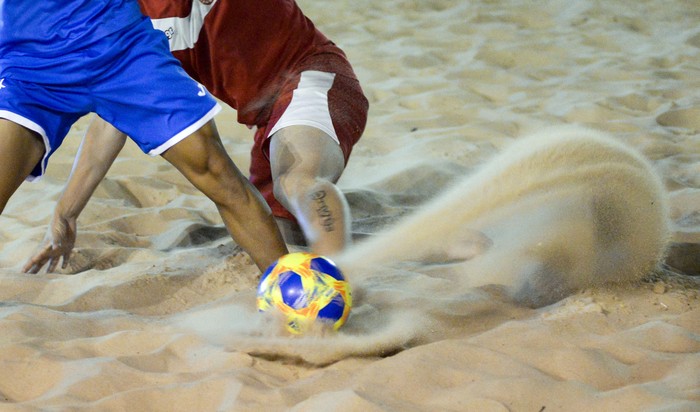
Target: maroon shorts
x,y
332,102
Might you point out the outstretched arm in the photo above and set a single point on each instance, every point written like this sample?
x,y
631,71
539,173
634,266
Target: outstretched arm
x,y
100,146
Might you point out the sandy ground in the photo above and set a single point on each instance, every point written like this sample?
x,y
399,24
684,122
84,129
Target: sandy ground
x,y
156,311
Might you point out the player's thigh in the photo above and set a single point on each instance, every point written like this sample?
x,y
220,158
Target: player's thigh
x,y
20,150
305,152
203,160
45,112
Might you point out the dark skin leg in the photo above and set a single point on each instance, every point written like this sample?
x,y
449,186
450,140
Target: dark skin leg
x,y
20,151
202,159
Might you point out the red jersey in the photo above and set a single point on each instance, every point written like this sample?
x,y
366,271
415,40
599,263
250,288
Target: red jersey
x,y
241,50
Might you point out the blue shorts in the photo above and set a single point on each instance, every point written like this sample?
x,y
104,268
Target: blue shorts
x,y
129,78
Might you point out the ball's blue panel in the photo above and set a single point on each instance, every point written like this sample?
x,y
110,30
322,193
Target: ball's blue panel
x,y
324,265
333,311
269,269
292,289
264,276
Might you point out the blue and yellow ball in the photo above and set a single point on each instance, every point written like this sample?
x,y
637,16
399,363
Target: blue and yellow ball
x,y
308,289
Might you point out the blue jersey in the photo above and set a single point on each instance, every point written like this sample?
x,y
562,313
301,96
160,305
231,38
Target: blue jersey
x,y
59,26
42,34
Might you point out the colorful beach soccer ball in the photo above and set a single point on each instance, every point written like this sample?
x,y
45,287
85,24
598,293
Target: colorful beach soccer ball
x,y
307,289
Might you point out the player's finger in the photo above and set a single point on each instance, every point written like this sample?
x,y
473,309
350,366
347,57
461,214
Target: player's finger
x,y
66,258
43,257
34,268
38,260
38,264
53,262
27,266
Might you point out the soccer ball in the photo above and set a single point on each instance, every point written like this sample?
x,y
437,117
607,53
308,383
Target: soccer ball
x,y
307,289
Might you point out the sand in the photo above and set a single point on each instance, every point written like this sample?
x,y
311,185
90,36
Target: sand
x,y
156,311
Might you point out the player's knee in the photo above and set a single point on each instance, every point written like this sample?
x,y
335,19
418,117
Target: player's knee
x,y
219,179
288,189
218,166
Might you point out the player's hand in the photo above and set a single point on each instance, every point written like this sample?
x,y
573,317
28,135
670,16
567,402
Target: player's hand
x,y
57,244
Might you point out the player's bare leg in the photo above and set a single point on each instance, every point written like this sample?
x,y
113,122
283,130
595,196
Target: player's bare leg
x,y
202,159
20,151
306,163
